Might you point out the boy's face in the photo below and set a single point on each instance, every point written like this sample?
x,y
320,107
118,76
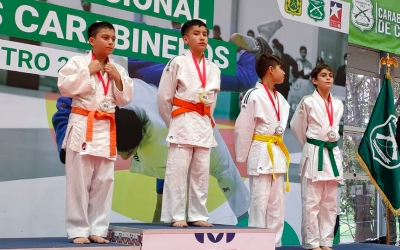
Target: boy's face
x,y
324,80
196,38
303,53
104,41
278,74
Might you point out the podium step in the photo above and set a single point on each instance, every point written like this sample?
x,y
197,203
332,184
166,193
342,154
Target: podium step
x,y
156,236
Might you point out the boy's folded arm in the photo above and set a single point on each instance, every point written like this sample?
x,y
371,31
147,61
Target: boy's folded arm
x,y
124,97
74,79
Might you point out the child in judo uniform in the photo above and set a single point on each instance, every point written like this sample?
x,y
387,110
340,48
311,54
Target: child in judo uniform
x,y
258,141
315,124
96,87
186,100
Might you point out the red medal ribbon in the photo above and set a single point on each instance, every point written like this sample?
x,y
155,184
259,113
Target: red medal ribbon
x,y
277,111
329,111
202,77
100,76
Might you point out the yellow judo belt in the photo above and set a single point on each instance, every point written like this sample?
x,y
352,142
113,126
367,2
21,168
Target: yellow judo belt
x,y
277,139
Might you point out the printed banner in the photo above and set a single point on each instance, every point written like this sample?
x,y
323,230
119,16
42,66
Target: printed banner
x,y
50,23
375,24
174,10
329,14
32,59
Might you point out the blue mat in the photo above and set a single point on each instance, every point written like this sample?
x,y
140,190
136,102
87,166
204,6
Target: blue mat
x,y
57,242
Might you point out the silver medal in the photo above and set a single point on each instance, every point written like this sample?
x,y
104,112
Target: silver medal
x,y
331,135
104,106
279,130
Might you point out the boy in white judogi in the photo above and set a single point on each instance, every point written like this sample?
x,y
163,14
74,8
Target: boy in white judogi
x,y
186,99
258,141
96,86
315,125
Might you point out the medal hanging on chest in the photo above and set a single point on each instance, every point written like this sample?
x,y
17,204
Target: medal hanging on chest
x,y
279,130
104,105
329,110
203,95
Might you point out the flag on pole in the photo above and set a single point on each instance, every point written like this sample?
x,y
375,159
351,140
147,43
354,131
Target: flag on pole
x,y
378,153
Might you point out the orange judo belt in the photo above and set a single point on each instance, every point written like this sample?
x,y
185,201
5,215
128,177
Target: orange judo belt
x,y
99,116
185,106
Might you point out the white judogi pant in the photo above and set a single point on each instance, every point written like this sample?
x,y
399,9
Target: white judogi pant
x,y
90,183
186,167
319,211
267,203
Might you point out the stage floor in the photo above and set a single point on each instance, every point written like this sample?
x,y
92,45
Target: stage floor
x,y
64,243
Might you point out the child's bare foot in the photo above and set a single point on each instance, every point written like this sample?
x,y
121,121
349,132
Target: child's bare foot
x,y
200,223
179,223
98,239
317,248
326,248
81,240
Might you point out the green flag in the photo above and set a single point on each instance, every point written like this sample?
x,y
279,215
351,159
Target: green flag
x,y
378,153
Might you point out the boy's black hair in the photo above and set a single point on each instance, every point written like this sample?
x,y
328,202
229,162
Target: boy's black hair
x,y
319,68
130,129
94,28
189,24
303,48
265,61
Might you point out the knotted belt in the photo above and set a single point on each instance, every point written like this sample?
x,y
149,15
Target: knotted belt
x,y
276,139
329,146
185,106
98,115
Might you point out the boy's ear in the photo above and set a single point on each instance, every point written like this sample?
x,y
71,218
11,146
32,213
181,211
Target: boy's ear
x,y
91,41
185,39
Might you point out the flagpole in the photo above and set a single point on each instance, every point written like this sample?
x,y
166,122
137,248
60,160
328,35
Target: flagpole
x,y
388,62
387,225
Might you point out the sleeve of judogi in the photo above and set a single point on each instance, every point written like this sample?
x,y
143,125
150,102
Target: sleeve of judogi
x,y
298,124
123,97
166,91
74,78
244,127
60,123
246,76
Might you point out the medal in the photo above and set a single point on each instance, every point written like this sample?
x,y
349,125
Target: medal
x,y
331,135
278,130
203,95
329,110
104,105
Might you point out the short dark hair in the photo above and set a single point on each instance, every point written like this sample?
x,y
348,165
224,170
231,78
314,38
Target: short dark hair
x,y
217,28
303,48
94,28
130,129
189,24
265,61
319,68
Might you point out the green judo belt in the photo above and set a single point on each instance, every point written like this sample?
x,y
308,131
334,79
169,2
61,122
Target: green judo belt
x,y
329,146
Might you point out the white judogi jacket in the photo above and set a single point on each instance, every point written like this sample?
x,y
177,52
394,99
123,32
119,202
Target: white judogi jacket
x,y
311,121
180,79
87,92
258,116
